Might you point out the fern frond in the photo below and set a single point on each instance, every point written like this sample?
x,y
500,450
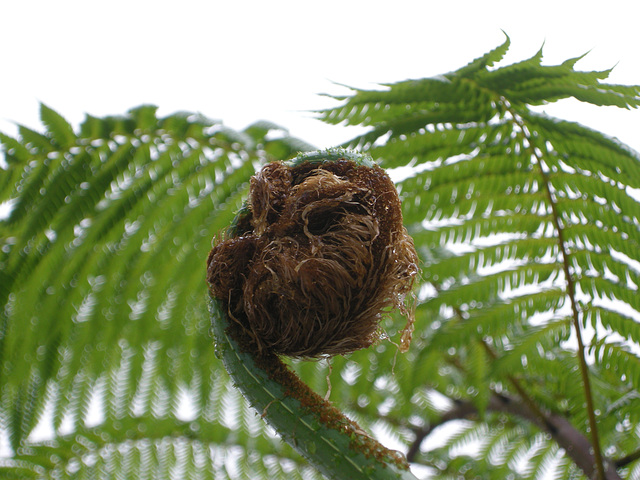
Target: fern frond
x,y
614,321
58,129
526,225
619,358
108,227
156,449
487,60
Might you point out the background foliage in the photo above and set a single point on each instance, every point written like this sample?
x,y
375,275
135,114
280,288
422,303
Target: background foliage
x,y
527,320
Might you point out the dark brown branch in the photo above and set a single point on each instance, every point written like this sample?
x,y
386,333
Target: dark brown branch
x,y
460,410
632,457
576,445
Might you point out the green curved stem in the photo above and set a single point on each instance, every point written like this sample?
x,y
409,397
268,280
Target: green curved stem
x,y
331,442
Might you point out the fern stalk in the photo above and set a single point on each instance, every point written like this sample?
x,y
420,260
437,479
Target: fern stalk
x,y
581,353
331,442
621,462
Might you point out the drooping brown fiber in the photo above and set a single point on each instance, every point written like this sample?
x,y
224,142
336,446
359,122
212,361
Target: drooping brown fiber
x,y
319,254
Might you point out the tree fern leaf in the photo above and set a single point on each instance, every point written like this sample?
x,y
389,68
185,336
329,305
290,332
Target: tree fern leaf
x,y
606,217
617,198
602,288
558,89
432,99
529,82
286,147
502,78
34,140
115,188
613,95
57,127
620,359
96,129
613,321
30,188
470,231
519,309
167,451
259,130
600,264
479,375
587,150
67,177
431,148
489,59
529,343
145,117
14,151
474,168
521,250
540,460
489,315
595,238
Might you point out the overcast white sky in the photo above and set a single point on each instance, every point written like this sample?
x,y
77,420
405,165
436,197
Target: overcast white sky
x,y
244,60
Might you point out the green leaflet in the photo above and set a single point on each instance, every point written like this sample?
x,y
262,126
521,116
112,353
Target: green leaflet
x,y
59,130
489,59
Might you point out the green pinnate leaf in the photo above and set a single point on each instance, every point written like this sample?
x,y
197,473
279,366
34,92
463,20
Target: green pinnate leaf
x,y
58,129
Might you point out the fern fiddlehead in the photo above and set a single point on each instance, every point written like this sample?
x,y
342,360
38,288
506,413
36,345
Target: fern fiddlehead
x,y
314,256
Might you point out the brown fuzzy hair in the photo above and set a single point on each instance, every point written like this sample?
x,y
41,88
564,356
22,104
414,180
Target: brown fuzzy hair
x,y
318,255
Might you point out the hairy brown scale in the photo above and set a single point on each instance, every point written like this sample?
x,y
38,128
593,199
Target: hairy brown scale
x,y
316,260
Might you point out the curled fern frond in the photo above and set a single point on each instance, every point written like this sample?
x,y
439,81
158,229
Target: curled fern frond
x,y
313,259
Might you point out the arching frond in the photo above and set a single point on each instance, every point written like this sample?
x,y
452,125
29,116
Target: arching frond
x,y
529,231
102,257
